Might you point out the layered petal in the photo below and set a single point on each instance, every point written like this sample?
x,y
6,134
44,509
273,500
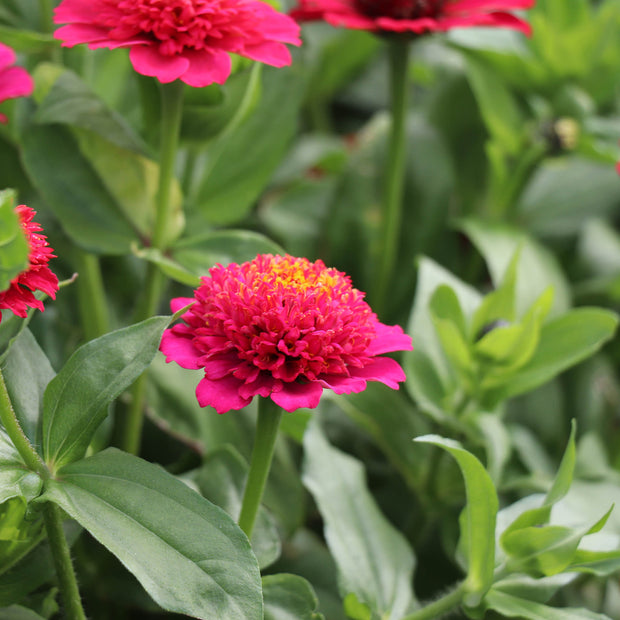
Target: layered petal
x,y
284,328
187,40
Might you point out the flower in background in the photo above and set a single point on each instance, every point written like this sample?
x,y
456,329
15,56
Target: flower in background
x,y
14,81
284,328
416,16
180,39
37,277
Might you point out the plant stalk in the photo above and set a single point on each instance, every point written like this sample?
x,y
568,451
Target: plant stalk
x,y
440,607
92,299
62,562
172,112
269,416
394,181
15,432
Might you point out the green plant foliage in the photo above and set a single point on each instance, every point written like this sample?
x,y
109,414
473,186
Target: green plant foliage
x,y
13,245
374,561
289,597
77,399
126,504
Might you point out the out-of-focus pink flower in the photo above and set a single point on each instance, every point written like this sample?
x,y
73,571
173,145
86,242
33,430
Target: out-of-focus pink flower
x,y
284,328
37,277
14,81
187,40
415,16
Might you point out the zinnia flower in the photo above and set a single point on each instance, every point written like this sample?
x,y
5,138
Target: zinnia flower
x,y
416,16
180,39
284,328
14,81
37,277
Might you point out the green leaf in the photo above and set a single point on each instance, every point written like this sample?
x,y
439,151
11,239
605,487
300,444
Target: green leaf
x,y
241,162
392,421
498,107
76,400
564,342
85,207
499,304
477,521
17,612
16,480
221,479
69,101
537,268
514,607
19,531
599,563
564,477
27,371
13,244
424,384
187,553
289,597
430,276
374,560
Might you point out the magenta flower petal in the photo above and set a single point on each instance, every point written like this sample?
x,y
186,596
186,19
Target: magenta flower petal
x,y
414,16
222,395
284,328
37,276
180,39
14,81
297,395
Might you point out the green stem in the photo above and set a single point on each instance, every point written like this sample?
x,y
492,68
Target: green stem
x,y
269,416
46,12
391,217
15,432
91,295
51,512
440,607
62,562
171,115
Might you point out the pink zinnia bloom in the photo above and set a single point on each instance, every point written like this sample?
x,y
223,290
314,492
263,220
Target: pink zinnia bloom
x,y
37,277
416,16
187,40
14,81
284,328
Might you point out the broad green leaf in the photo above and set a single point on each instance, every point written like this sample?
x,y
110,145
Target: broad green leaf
x,y
76,400
553,203
187,553
17,612
539,590
221,479
444,304
374,560
78,197
27,40
537,268
424,384
19,531
16,480
455,348
477,521
498,106
13,244
499,305
241,162
32,571
133,181
514,607
564,342
289,597
564,477
199,253
430,276
391,420
69,101
215,110
27,371
599,563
